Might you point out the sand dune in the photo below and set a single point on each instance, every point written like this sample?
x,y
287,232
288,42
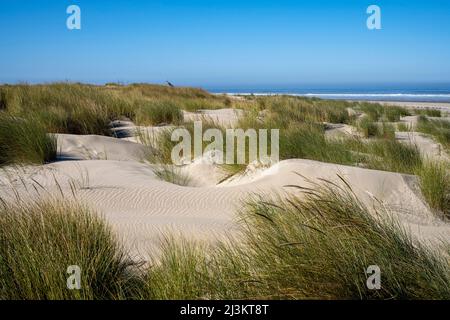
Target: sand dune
x,y
140,207
114,179
94,147
224,117
426,145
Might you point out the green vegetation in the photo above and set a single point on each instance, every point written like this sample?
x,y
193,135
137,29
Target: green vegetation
x,y
64,108
24,141
434,180
315,245
318,246
286,109
439,129
88,109
428,112
377,112
157,112
173,174
403,127
368,127
307,141
394,156
375,129
39,241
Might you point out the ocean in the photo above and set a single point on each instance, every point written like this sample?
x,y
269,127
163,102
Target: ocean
x,y
411,93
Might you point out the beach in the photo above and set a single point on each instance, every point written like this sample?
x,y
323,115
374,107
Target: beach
x,y
339,165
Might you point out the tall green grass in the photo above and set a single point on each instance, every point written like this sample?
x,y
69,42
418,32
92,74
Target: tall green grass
x,y
317,243
394,156
317,246
24,141
368,127
428,112
378,112
286,109
173,174
88,109
439,129
307,141
403,127
157,112
375,129
39,241
434,181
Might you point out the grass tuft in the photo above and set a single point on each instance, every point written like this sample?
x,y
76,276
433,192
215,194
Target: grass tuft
x,y
434,181
39,241
24,141
439,129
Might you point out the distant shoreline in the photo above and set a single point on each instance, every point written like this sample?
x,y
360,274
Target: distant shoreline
x,y
432,96
444,105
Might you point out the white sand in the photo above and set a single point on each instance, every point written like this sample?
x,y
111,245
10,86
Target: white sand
x,y
428,147
224,117
93,147
140,207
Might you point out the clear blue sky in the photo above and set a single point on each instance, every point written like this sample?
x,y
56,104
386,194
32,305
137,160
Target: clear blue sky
x,y
213,43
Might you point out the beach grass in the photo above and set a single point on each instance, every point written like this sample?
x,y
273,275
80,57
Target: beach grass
x,y
157,112
307,141
24,141
317,246
379,112
287,109
428,112
394,156
368,127
439,129
403,127
38,243
173,174
434,178
88,109
316,243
